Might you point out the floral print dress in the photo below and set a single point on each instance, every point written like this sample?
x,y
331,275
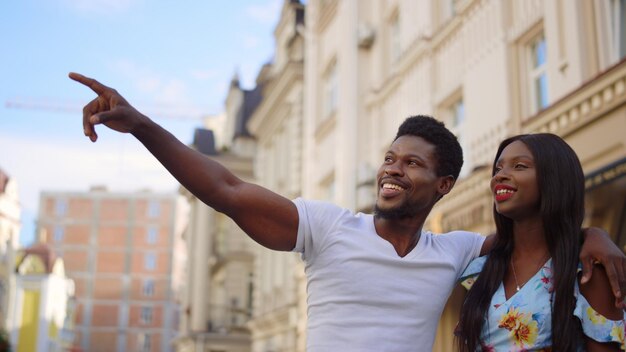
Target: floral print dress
x,y
524,322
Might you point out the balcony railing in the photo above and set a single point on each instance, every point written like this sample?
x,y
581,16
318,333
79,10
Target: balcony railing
x,y
227,319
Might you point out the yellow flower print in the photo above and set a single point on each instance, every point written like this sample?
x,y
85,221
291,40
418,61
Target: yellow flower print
x,y
521,325
595,317
510,320
525,333
617,332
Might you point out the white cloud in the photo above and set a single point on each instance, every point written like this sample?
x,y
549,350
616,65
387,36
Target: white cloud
x,y
116,160
101,7
165,90
173,91
251,41
203,75
266,14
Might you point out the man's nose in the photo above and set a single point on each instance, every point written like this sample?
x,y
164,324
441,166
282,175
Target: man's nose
x,y
393,169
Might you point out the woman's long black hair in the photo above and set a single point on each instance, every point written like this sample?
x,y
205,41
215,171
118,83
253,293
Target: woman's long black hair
x,y
561,187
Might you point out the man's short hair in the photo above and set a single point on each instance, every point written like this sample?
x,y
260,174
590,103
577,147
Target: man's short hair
x,y
448,151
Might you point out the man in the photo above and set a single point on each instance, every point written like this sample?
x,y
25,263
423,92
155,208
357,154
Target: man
x,y
375,282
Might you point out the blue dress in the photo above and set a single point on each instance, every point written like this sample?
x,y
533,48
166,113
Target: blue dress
x,y
524,322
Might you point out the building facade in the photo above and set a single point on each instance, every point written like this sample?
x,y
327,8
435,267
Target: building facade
x,y
279,315
488,69
44,308
219,285
118,249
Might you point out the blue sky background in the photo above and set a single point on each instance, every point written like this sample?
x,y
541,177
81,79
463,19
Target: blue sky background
x,y
163,56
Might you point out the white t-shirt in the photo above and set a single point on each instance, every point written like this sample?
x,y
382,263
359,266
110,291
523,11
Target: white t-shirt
x,y
362,296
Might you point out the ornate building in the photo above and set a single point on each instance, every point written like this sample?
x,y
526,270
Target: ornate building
x,y
217,294
487,68
279,315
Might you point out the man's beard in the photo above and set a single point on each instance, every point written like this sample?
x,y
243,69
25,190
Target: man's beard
x,y
402,212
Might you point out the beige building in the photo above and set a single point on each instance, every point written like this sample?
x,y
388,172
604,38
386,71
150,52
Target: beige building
x,y
489,69
118,249
279,314
343,80
218,288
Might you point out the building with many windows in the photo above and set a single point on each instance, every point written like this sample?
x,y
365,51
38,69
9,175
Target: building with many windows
x,y
119,250
487,68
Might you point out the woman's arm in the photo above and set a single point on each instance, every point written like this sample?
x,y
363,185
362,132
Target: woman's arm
x,y
598,293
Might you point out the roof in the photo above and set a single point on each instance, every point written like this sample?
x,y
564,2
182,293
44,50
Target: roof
x,y
251,100
43,252
204,141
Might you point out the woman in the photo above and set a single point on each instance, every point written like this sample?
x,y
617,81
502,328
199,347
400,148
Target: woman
x,y
527,296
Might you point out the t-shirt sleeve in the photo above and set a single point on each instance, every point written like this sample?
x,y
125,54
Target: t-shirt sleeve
x,y
316,220
464,246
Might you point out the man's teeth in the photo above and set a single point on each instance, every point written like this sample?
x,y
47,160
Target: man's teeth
x,y
392,186
504,191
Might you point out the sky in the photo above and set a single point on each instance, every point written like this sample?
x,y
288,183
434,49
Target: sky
x,y
173,60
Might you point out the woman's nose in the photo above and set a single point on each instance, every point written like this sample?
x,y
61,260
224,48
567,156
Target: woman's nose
x,y
501,175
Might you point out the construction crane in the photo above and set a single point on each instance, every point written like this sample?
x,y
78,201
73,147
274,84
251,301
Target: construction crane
x,y
60,106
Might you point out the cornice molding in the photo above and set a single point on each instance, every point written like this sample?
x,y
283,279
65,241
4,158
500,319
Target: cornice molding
x,y
589,102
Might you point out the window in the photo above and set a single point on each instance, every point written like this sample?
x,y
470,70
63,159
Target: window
x,y
446,10
250,293
152,234
144,342
154,208
331,91
537,74
395,47
146,315
149,261
457,112
327,188
60,207
58,233
618,29
148,287
454,115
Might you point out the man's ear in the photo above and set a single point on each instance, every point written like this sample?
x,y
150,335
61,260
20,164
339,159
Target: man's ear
x,y
445,184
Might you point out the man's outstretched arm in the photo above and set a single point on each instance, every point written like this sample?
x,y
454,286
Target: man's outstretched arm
x,y
265,216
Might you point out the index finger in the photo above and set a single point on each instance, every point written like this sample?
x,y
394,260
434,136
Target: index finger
x,y
613,277
96,86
